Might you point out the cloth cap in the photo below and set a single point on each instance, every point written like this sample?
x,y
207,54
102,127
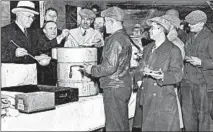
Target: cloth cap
x,y
86,13
195,17
163,22
173,12
27,6
114,12
172,19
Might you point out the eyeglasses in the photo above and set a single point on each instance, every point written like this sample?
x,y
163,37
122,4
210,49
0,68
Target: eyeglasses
x,y
28,16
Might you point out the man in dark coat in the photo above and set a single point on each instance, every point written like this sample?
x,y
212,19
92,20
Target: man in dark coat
x,y
115,79
159,71
47,40
197,84
17,32
51,14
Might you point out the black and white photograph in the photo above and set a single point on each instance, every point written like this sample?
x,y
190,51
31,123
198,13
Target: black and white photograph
x,y
107,65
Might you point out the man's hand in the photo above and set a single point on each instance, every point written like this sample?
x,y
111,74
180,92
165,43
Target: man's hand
x,y
195,61
155,74
64,34
87,68
95,43
21,52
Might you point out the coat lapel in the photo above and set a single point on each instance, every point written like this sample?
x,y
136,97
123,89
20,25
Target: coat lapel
x,y
148,50
22,39
201,36
163,52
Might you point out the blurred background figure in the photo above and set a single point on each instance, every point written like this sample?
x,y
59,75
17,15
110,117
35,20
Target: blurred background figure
x,y
173,23
137,48
51,14
96,10
181,34
99,25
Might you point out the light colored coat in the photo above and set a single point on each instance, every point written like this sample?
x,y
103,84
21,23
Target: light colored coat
x,y
76,38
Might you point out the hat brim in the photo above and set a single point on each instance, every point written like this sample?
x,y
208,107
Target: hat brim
x,y
155,19
158,20
15,10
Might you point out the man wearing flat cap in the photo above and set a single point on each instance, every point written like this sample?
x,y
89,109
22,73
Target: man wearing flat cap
x,y
113,71
197,84
84,35
18,32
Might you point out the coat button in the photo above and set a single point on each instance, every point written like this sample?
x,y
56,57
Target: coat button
x,y
155,84
154,94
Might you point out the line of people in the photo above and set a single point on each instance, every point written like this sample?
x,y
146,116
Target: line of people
x,y
174,75
169,65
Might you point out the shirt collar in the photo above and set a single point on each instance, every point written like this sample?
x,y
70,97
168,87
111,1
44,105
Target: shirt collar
x,y
19,25
87,30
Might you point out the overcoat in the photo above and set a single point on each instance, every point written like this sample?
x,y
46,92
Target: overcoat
x,y
13,32
203,49
158,98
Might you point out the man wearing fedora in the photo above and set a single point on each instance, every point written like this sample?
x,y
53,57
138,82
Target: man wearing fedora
x,y
197,84
18,32
159,71
84,35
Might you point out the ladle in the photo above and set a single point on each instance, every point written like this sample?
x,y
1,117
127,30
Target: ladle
x,y
29,54
20,47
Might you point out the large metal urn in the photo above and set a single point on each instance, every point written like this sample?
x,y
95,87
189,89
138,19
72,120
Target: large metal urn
x,y
69,60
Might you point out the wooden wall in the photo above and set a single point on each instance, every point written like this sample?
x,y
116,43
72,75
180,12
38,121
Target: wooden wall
x,y
137,12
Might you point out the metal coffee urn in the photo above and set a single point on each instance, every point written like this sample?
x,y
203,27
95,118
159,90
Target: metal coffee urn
x,y
69,60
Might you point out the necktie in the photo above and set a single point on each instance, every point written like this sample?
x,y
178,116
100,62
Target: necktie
x,y
25,32
84,33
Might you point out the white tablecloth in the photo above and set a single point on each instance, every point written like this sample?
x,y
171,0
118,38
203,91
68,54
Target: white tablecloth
x,y
85,115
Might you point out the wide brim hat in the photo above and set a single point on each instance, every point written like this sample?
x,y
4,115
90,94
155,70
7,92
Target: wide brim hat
x,y
26,6
163,22
174,20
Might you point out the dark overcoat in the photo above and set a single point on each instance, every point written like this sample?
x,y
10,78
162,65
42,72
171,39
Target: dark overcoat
x,y
160,110
13,32
202,47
